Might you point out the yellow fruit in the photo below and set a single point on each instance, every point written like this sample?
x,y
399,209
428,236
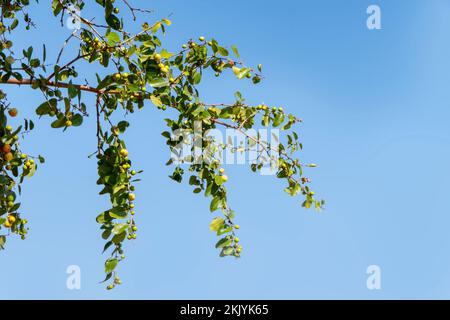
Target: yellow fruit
x,y
11,219
124,152
224,178
222,171
117,76
8,157
157,57
7,224
68,123
131,197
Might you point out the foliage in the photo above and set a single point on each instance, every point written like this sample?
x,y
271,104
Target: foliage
x,y
138,70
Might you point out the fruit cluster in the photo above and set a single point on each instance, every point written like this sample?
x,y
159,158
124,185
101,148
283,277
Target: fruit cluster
x,y
14,165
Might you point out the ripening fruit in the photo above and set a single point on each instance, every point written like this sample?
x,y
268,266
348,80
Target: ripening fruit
x,y
7,224
117,76
131,197
23,156
201,39
221,170
158,57
68,123
8,157
13,112
123,152
10,198
224,178
110,287
116,10
6,148
11,219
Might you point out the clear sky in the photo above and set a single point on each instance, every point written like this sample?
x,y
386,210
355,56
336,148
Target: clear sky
x,y
376,107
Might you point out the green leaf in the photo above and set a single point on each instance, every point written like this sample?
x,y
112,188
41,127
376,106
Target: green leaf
x,y
226,241
236,52
77,120
216,224
113,38
222,51
113,21
214,204
110,265
119,228
156,101
118,213
159,82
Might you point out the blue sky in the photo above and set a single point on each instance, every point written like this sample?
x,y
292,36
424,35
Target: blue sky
x,y
375,106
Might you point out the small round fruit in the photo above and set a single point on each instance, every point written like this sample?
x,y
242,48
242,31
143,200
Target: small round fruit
x,y
10,198
6,148
133,172
236,239
117,76
116,10
11,219
134,228
110,287
157,57
224,178
7,224
131,205
201,38
123,152
8,157
221,170
68,123
131,197
132,213
23,156
8,128
13,112
134,236
236,226
10,204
